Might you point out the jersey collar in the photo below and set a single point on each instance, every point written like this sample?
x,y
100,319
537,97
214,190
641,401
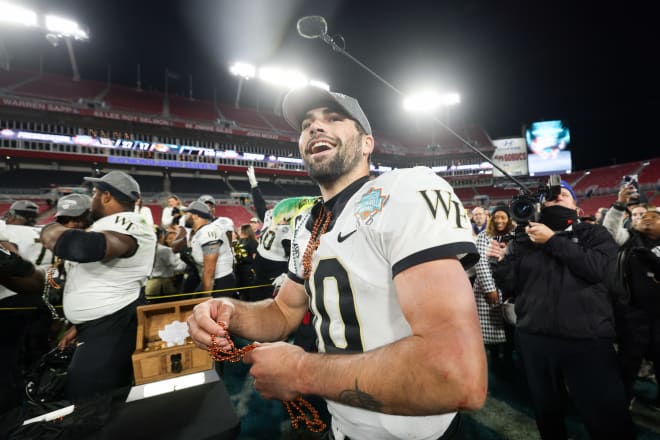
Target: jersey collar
x,y
336,204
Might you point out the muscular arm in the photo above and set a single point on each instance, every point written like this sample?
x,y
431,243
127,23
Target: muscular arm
x,y
33,283
267,320
440,368
24,283
208,272
116,245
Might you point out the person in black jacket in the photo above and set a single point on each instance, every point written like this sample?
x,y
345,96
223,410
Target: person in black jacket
x,y
637,290
557,272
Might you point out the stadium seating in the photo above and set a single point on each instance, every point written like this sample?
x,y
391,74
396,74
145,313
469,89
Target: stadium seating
x,y
185,108
650,174
4,206
300,189
238,214
244,118
197,187
607,178
60,88
590,206
134,101
272,189
240,185
156,211
24,178
278,123
572,178
496,193
149,184
465,194
13,77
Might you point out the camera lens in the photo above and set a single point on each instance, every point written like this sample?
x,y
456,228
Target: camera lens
x,y
522,210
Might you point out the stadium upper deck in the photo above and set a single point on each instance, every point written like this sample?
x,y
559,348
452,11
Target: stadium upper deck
x,y
50,122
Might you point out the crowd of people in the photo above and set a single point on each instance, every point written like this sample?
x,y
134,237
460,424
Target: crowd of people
x,y
585,294
436,311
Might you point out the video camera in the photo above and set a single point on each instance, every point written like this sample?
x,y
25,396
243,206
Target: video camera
x,y
527,207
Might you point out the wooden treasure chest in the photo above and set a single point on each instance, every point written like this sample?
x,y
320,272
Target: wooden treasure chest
x,y
160,325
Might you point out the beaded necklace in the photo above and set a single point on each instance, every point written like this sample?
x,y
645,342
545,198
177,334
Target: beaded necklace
x,y
320,227
49,283
306,412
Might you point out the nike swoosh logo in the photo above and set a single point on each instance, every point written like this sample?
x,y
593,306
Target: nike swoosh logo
x,y
341,238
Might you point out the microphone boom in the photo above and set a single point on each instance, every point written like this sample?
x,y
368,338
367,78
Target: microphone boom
x,y
312,26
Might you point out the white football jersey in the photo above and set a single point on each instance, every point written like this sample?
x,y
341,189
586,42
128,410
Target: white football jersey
x,y
26,239
380,228
224,224
278,226
100,288
270,241
209,234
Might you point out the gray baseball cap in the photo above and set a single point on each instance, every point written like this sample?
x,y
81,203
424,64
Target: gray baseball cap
x,y
299,101
118,181
206,198
73,205
24,208
199,208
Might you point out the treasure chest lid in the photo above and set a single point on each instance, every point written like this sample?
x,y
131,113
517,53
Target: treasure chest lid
x,y
167,318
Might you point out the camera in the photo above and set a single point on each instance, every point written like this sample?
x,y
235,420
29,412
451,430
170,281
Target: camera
x,y
505,238
527,207
631,180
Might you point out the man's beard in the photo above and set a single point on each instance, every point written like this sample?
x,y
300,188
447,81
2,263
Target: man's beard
x,y
189,222
345,159
95,215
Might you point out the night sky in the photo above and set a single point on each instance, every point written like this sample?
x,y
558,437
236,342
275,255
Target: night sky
x,y
513,62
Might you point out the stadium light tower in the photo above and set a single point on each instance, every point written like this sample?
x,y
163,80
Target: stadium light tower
x,y
244,72
55,28
428,102
59,28
13,15
281,77
286,78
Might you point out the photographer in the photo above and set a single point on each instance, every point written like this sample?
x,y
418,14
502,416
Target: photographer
x,y
627,202
557,271
171,214
637,309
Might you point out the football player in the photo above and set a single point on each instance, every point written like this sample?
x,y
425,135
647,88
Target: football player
x,y
400,348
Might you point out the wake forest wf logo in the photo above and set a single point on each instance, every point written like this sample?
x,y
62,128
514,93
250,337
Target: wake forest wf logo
x,y
445,203
124,222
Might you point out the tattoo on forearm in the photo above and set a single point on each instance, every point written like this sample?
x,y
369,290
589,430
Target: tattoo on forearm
x,y
359,399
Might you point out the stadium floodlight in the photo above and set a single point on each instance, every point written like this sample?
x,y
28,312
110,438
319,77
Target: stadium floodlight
x,y
319,84
449,99
243,70
65,28
281,77
15,14
428,101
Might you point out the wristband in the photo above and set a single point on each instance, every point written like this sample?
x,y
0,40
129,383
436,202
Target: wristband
x,y
619,206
